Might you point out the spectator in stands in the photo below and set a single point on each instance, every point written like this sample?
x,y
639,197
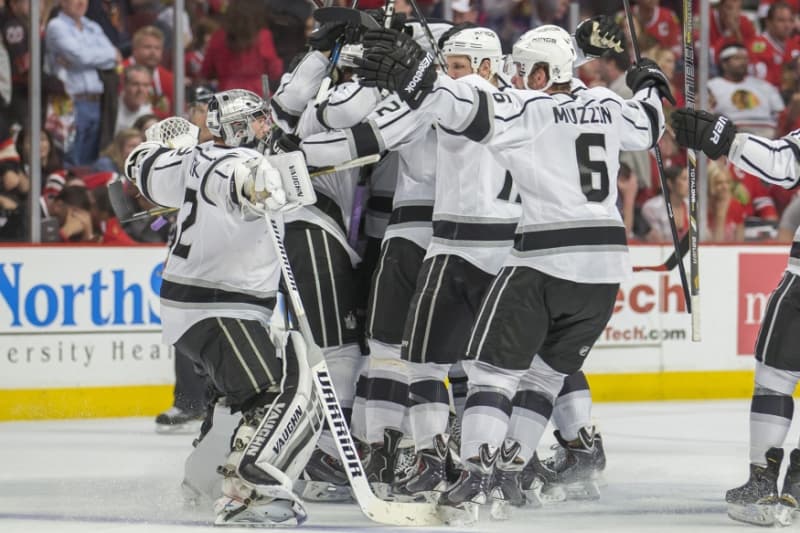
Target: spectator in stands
x,y
54,175
113,158
194,56
660,22
790,221
148,50
76,47
14,189
765,5
15,36
134,100
725,214
626,199
666,58
752,104
198,109
654,210
71,209
769,51
144,122
242,50
464,11
729,24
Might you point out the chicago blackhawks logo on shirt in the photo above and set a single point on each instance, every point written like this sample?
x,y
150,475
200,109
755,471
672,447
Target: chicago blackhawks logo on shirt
x,y
744,99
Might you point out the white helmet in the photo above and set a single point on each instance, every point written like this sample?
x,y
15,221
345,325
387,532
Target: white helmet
x,y
546,44
477,44
231,114
348,55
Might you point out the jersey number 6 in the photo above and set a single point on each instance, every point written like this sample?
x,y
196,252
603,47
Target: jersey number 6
x,y
592,169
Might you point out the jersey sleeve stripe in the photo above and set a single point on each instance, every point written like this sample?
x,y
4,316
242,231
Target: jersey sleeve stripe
x,y
212,168
652,114
365,141
147,168
284,115
766,175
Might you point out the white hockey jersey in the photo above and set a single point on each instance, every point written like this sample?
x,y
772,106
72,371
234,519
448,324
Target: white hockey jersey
x,y
476,210
778,163
391,126
219,264
562,151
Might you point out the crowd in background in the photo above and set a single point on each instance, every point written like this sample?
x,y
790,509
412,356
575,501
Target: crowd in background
x,y
107,76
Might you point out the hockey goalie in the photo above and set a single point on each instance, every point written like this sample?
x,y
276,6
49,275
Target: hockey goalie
x,y
219,289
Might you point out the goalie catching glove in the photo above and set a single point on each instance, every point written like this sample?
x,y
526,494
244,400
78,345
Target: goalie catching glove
x,y
599,34
393,61
277,184
701,130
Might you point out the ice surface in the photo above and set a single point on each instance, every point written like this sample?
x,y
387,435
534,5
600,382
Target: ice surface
x,y
669,465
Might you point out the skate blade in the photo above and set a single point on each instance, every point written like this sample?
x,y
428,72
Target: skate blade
x,y
466,514
756,514
323,491
784,514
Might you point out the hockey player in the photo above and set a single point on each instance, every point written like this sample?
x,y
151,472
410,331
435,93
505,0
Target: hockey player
x,y
556,291
317,236
777,364
217,294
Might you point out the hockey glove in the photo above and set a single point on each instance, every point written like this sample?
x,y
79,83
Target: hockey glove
x,y
257,188
646,73
324,38
599,34
701,130
393,61
282,143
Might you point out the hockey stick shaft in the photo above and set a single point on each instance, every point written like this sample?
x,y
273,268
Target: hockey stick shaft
x,y
429,34
393,513
691,159
660,166
671,262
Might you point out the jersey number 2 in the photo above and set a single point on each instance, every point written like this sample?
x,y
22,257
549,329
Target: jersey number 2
x,y
592,170
180,249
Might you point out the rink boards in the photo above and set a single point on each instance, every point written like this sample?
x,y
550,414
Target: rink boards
x,y
80,330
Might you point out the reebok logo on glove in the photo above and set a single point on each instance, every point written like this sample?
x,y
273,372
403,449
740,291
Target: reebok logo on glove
x,y
719,127
421,68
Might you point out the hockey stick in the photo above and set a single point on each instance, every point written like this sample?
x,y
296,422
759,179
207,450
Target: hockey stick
x,y
691,158
660,165
346,165
429,34
381,511
671,262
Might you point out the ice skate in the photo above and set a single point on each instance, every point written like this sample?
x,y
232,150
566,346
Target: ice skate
x,y
427,479
506,489
756,501
176,420
261,512
790,493
324,480
573,472
379,466
458,506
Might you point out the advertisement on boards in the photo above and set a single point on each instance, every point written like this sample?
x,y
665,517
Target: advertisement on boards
x,y
81,316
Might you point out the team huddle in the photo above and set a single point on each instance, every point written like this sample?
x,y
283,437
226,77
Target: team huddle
x,y
454,287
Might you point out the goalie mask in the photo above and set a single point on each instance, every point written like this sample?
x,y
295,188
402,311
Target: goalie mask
x,y
546,44
477,44
231,115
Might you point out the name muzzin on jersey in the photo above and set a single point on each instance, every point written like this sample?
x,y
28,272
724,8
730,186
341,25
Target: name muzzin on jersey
x,y
582,115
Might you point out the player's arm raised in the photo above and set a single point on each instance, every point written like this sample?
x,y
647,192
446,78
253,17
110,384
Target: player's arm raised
x,y
644,111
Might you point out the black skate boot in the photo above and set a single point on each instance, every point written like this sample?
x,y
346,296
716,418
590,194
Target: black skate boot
x,y
427,479
756,501
506,489
573,470
324,480
459,504
790,493
380,462
176,420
